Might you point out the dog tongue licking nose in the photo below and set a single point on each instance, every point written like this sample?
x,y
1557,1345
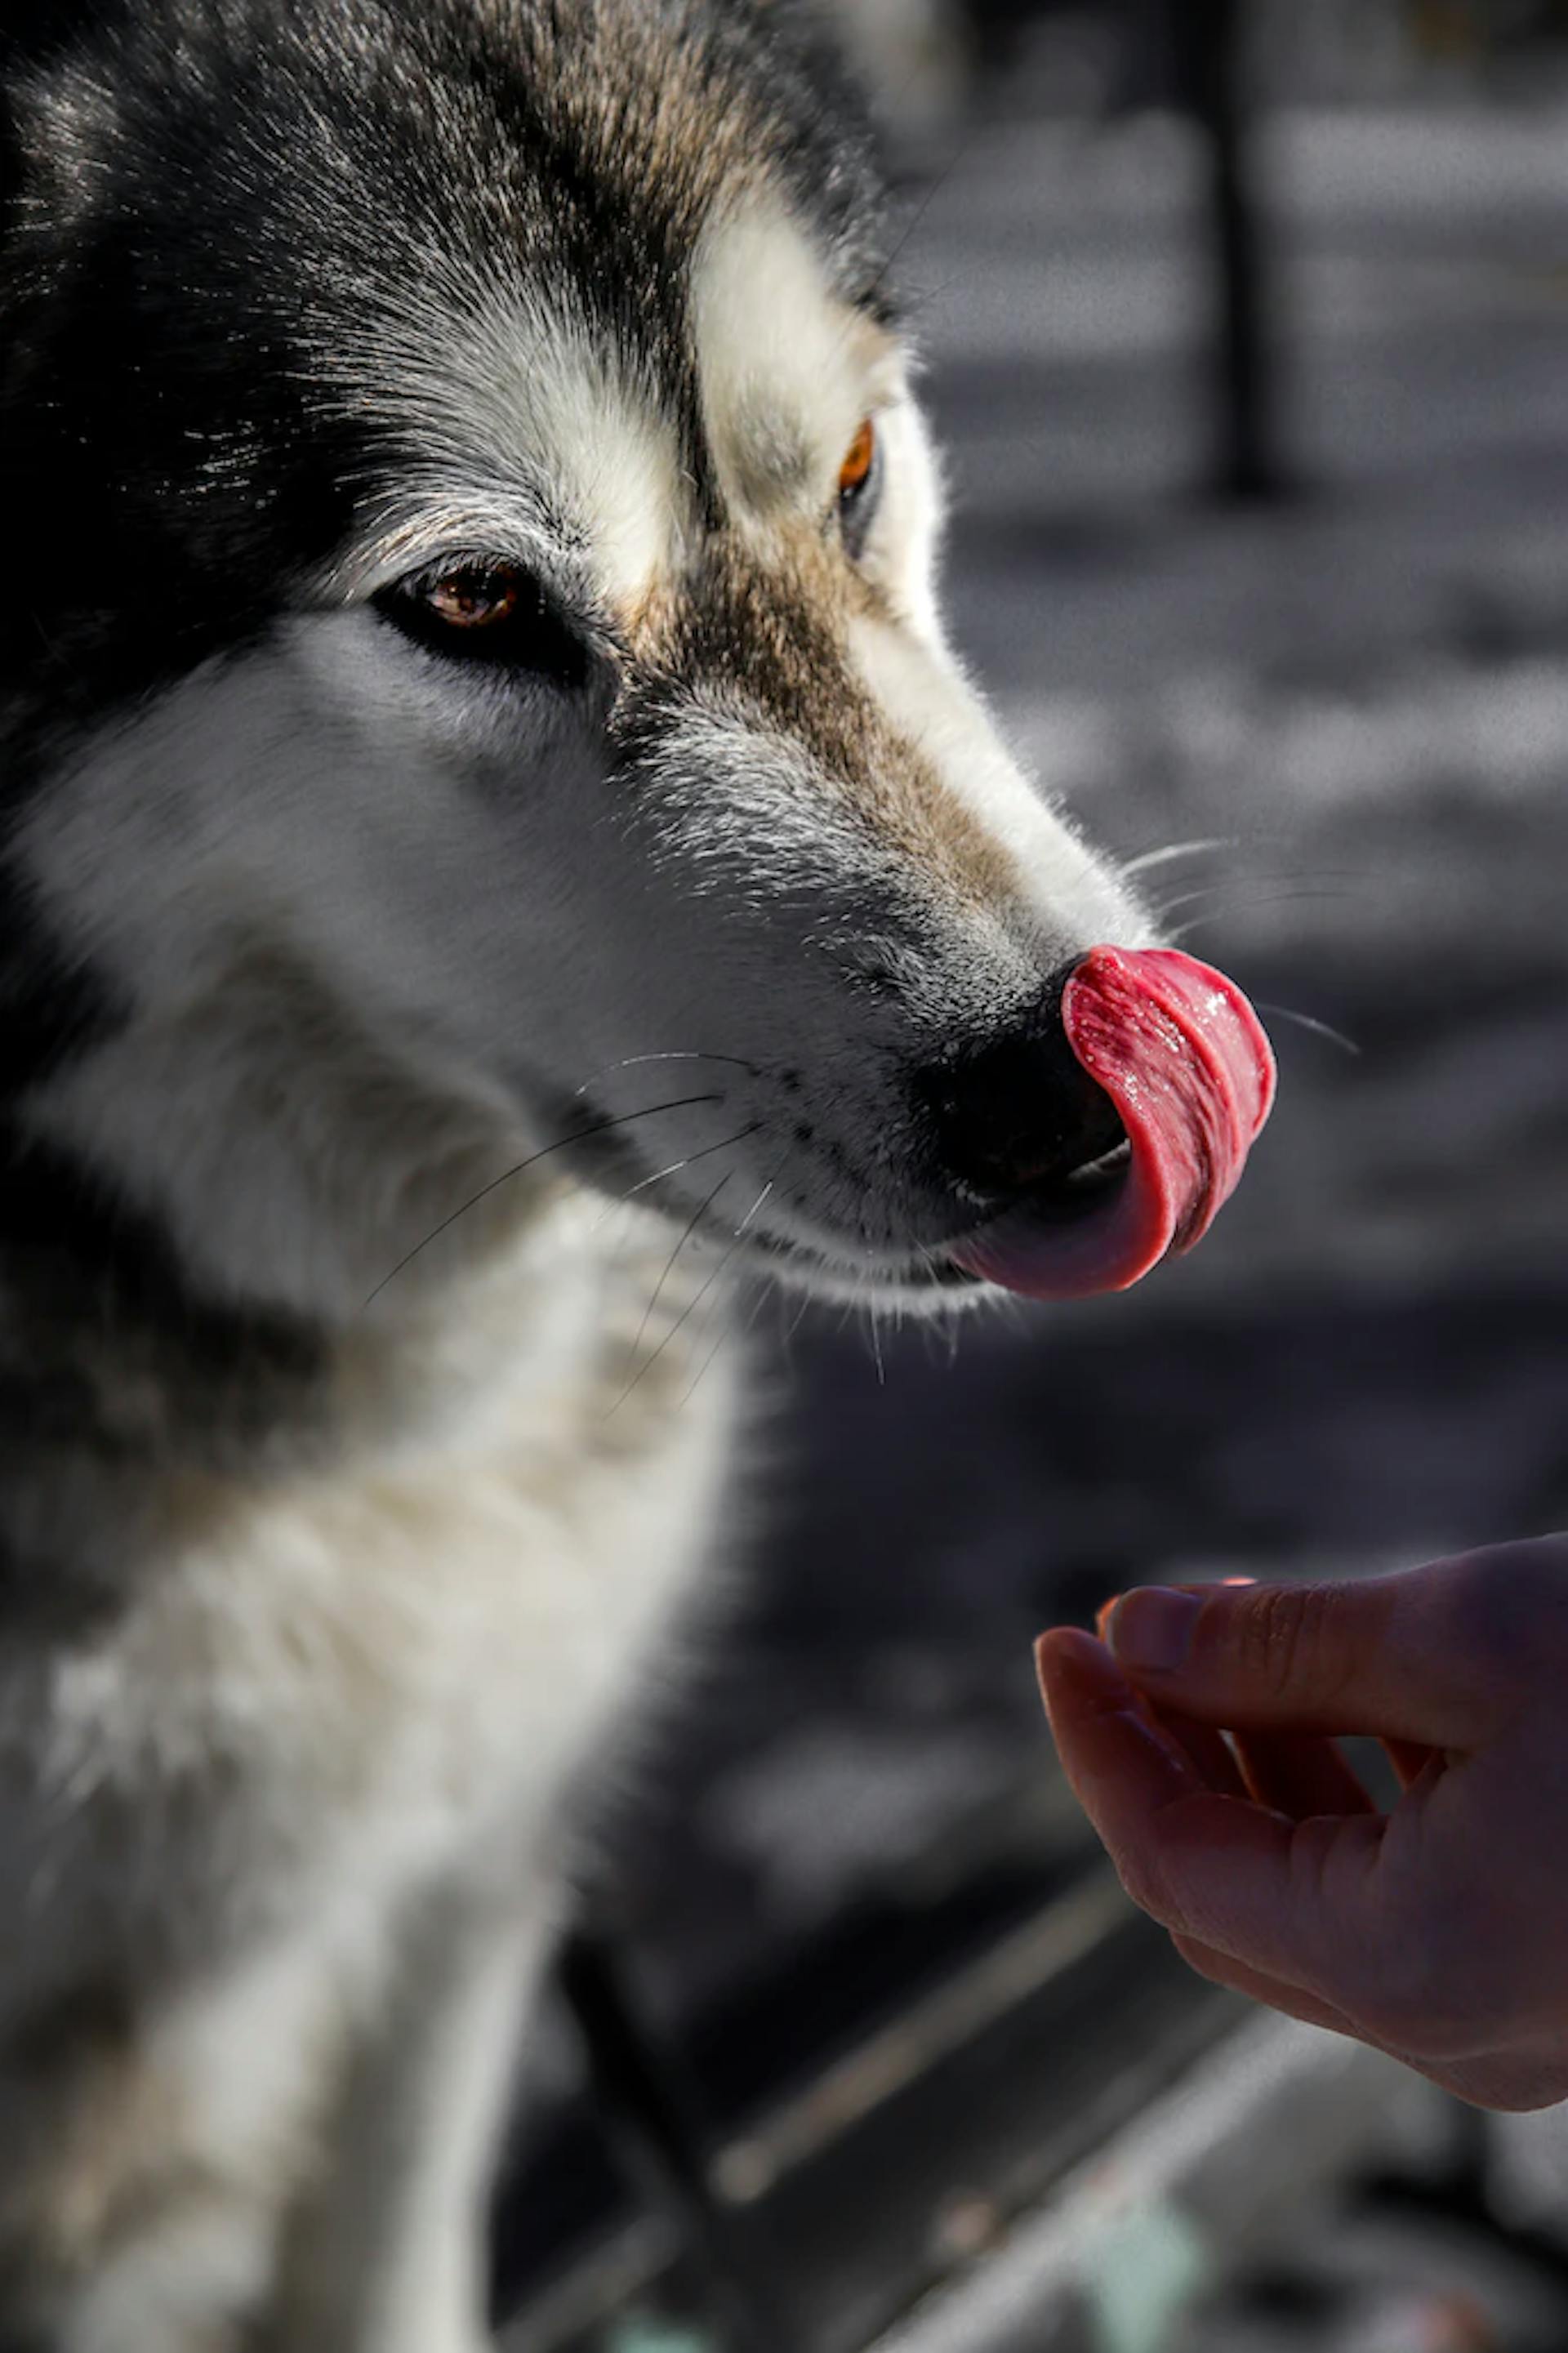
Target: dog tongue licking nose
x,y
1185,1060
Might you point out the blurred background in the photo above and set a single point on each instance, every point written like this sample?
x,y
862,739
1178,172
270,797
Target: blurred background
x,y
1246,331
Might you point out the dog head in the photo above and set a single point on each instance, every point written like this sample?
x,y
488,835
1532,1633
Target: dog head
x,y
476,693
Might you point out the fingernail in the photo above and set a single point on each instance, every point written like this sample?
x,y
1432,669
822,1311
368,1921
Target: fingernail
x,y
1151,1630
1088,1665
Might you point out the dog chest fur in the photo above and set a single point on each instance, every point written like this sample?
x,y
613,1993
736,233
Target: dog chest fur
x,y
337,1677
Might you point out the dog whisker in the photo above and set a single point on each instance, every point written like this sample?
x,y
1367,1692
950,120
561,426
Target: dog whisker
x,y
962,148
578,1135
876,1343
727,1332
1260,892
640,1371
630,1061
789,1331
1173,850
1181,932
693,1223
675,1168
1318,1028
701,1292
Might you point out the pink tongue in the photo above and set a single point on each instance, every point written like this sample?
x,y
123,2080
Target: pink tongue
x,y
1184,1058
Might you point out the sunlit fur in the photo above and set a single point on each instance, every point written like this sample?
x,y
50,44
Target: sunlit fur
x,y
402,1058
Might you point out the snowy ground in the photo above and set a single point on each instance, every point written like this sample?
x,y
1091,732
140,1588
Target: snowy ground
x,y
1362,695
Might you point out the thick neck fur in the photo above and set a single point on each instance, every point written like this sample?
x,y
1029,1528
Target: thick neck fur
x,y
135,1397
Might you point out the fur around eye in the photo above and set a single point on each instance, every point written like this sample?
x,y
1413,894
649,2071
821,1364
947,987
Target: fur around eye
x,y
486,610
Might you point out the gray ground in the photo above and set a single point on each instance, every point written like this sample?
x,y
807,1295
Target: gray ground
x,y
1362,695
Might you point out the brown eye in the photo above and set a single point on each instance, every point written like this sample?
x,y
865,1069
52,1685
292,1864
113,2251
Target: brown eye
x,y
474,597
859,464
487,612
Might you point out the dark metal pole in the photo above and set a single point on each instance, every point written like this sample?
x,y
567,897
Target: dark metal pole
x,y
649,2114
1208,36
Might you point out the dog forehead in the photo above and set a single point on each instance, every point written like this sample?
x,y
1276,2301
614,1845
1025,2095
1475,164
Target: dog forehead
x,y
531,411
753,387
650,328
786,366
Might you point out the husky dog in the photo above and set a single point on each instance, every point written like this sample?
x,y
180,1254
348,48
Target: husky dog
x,y
494,845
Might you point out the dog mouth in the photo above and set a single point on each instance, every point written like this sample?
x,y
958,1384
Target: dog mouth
x,y
1188,1069
1185,1066
1188,1078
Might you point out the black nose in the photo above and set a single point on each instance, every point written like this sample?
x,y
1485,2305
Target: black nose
x,y
1018,1111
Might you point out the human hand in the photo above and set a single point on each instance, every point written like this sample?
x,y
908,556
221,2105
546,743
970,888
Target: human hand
x,y
1437,1932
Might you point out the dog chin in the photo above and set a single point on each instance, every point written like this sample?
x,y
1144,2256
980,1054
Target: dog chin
x,y
929,1288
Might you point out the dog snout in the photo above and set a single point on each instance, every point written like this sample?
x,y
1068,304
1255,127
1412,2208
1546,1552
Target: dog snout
x,y
1016,1110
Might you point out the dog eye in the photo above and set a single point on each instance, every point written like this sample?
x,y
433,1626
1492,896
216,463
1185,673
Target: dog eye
x,y
487,609
860,479
474,598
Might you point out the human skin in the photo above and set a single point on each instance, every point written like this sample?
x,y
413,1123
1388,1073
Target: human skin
x,y
1200,1738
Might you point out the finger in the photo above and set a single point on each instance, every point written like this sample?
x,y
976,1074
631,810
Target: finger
x,y
1409,1760
1294,1901
1304,1902
1299,1774
1209,1749
1222,1970
1487,2082
1389,1655
1121,1760
1207,1746
1515,2085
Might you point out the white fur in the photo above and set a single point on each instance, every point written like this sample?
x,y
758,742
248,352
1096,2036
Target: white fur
x,y
788,371
347,1702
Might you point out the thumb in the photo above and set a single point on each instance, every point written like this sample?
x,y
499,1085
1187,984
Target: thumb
x,y
1393,1655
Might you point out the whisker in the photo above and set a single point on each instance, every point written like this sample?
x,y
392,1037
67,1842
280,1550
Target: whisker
x,y
1181,932
674,1169
578,1135
639,1371
728,1332
796,1320
759,1203
876,1343
693,1223
1318,1029
916,221
630,1061
1248,891
1153,857
698,1297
